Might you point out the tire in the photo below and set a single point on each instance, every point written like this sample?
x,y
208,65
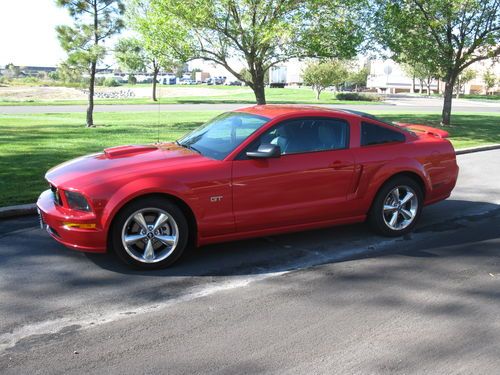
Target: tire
x,y
396,217
149,233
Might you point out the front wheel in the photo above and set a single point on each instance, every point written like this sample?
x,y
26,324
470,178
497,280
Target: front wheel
x,y
149,233
397,207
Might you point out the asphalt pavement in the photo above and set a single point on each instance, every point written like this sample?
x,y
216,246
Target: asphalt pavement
x,y
338,300
399,103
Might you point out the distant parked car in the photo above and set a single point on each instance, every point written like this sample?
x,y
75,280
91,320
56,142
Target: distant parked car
x,y
233,83
253,172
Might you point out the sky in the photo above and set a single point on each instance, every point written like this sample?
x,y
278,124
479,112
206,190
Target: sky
x,y
27,32
28,35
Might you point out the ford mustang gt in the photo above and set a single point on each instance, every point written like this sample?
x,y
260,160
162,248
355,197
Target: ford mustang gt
x,y
253,172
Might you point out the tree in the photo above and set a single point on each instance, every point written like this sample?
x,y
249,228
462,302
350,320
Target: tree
x,y
163,42
130,55
193,73
68,72
453,34
489,79
94,22
320,75
12,71
421,71
466,76
359,77
260,34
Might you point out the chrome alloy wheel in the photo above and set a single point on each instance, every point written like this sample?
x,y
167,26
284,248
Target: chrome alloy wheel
x,y
150,235
400,207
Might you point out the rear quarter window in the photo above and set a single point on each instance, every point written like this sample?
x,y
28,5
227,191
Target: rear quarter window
x,y
372,134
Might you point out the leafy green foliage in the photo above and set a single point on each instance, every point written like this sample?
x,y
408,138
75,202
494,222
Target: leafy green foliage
x,y
465,76
111,82
94,22
261,34
320,75
445,35
359,77
490,80
162,41
130,55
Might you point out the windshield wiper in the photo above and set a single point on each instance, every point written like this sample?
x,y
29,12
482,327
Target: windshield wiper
x,y
189,147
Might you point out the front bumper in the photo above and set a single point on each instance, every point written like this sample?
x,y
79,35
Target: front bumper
x,y
55,220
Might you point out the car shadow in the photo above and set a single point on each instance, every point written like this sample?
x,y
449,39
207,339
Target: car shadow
x,y
303,249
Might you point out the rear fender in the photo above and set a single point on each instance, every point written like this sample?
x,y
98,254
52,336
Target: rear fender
x,y
372,180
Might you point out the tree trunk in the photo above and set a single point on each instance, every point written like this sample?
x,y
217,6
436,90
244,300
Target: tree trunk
x,y
90,108
318,93
155,76
413,84
258,86
448,96
421,87
93,67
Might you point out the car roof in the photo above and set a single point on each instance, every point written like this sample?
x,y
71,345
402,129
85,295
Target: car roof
x,y
274,110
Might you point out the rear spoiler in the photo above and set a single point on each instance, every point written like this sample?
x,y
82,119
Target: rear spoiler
x,y
425,129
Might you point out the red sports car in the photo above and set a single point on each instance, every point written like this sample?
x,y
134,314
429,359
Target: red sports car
x,y
252,172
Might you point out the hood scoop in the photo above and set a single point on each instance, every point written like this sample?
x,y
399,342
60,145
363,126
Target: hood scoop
x,y
124,151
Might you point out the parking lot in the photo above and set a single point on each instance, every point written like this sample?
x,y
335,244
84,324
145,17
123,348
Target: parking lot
x,y
334,300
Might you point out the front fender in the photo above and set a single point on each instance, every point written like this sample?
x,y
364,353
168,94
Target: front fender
x,y
140,187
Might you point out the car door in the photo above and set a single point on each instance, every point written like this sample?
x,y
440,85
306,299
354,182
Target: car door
x,y
305,184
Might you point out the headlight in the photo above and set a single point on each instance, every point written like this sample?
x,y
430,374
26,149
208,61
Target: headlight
x,y
77,201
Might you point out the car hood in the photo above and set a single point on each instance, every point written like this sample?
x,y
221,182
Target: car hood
x,y
121,162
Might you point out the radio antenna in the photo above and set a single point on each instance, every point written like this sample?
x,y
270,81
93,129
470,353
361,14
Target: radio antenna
x,y
159,117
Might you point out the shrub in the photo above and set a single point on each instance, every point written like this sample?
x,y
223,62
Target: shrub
x,y
111,82
30,80
358,96
99,81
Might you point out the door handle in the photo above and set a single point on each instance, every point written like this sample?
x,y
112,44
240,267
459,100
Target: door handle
x,y
339,164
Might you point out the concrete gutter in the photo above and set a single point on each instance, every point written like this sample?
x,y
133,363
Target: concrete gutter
x,y
30,209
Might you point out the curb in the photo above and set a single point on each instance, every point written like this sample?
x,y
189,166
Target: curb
x,y
30,209
478,149
15,211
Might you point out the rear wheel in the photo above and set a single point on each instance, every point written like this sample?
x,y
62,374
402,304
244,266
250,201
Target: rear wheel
x,y
150,233
397,207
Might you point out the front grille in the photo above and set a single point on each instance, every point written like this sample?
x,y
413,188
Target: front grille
x,y
55,193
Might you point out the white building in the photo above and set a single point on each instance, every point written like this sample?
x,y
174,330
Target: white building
x,y
386,76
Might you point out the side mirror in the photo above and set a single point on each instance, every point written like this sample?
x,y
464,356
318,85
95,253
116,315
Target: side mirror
x,y
265,151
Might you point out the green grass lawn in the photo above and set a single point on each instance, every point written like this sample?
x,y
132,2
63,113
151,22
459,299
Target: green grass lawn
x,y
32,143
274,96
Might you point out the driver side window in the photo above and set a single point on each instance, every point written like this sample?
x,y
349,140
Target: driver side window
x,y
306,135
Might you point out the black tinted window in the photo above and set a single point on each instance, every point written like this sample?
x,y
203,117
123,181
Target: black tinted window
x,y
372,134
306,135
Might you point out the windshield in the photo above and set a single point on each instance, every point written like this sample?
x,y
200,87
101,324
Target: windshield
x,y
220,136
